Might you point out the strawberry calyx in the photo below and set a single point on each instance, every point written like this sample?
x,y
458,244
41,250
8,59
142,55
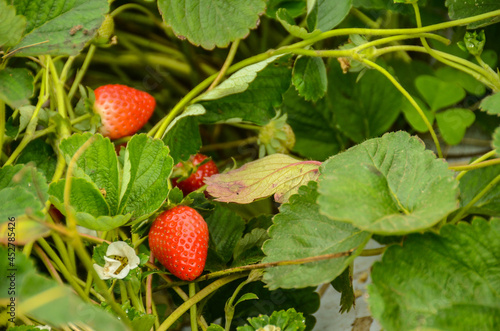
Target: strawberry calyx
x,y
184,169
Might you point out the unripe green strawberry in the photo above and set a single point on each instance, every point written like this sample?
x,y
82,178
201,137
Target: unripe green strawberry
x,y
123,110
178,238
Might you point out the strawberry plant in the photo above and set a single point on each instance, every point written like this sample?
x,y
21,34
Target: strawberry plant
x,y
216,165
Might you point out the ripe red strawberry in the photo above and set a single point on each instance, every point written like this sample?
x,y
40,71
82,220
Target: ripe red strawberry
x,y
198,175
123,110
178,238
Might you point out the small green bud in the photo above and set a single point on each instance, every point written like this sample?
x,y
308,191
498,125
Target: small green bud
x,y
106,30
474,42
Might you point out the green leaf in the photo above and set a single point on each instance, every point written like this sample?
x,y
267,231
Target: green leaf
x,y
184,138
473,183
99,253
143,323
277,174
24,328
491,104
437,93
250,94
248,249
98,163
11,25
370,4
16,86
365,108
389,185
490,57
41,155
414,118
305,117
46,301
59,27
324,15
21,208
309,77
282,320
294,7
101,223
469,83
146,171
215,327
343,284
300,231
211,24
85,197
432,278
462,8
26,113
246,297
453,122
260,222
225,228
25,190
288,23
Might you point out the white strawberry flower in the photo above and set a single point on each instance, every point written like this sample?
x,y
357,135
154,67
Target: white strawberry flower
x,y
120,259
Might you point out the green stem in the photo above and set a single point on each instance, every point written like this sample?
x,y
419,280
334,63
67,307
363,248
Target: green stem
x,y
2,124
52,128
30,129
365,19
483,192
479,159
195,299
66,68
123,291
61,103
229,144
138,7
410,99
48,264
229,305
175,66
373,251
141,41
466,66
391,39
381,32
82,71
192,310
476,165
62,268
88,284
134,298
227,63
179,107
250,267
61,248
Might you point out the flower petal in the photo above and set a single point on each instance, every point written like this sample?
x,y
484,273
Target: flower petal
x,y
122,274
100,272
